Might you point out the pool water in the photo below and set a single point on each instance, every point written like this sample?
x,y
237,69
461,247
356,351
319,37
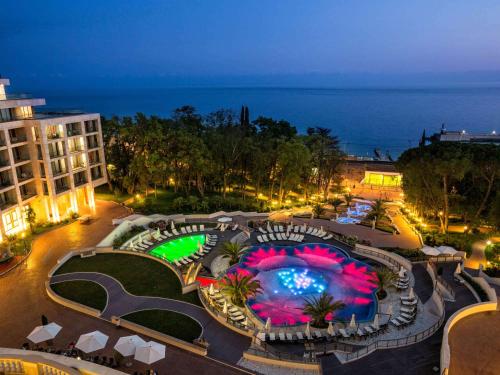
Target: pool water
x,y
288,275
178,248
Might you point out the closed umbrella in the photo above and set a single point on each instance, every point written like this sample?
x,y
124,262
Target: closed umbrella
x,y
90,342
411,295
459,269
352,325
402,272
267,327
269,227
431,251
389,310
376,323
44,333
224,308
308,330
127,345
330,330
447,250
211,289
150,352
172,225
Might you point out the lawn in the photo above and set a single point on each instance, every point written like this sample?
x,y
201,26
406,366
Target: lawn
x,y
104,194
139,276
167,322
84,292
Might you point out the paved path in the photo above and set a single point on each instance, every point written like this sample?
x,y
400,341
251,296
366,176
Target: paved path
x,y
24,299
225,344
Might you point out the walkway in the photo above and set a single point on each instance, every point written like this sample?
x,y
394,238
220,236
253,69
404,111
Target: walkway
x,y
225,344
24,299
419,358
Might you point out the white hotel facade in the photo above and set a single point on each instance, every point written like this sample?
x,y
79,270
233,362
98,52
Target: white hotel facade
x,y
49,161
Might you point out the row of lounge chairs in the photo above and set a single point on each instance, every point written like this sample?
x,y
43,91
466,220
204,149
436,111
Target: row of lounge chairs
x,y
297,229
407,312
234,313
222,227
280,237
360,332
402,283
149,239
211,241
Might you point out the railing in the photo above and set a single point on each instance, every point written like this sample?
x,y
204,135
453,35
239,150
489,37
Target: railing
x,y
24,176
54,155
60,189
396,343
442,281
75,149
72,133
53,136
80,182
96,177
7,203
283,356
15,96
390,257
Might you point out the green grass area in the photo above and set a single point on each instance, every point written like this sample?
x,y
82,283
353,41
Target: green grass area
x,y
84,292
168,322
178,248
138,275
104,194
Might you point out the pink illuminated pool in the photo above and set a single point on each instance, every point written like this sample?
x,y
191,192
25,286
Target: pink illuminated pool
x,y
289,273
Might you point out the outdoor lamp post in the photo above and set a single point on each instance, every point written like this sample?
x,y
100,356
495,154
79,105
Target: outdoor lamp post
x,y
23,236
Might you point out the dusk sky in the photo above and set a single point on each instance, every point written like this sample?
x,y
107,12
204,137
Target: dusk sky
x,y
116,39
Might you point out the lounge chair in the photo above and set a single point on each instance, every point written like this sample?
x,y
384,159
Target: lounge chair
x,y
174,231
296,229
302,229
261,336
289,337
408,310
264,237
344,333
309,230
218,226
281,335
272,237
407,298
280,228
235,226
149,243
183,230
318,334
327,237
279,237
259,238
189,229
167,233
275,228
177,263
272,336
360,333
261,230
195,228
396,323
300,336
369,330
202,227
409,303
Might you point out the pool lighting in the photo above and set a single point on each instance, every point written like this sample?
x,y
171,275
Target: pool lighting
x,y
299,282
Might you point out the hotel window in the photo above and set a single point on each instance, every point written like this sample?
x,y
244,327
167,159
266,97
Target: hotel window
x,y
11,220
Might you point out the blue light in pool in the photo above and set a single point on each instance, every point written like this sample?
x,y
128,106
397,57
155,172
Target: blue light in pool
x,y
299,282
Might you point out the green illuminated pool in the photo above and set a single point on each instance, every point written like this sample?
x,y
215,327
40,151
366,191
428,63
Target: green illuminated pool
x,y
178,248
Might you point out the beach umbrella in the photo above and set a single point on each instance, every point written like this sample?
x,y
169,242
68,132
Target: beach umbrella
x,y
150,352
308,330
44,333
224,308
90,342
411,295
172,225
459,269
267,327
375,321
127,345
330,330
304,226
211,289
352,325
431,251
447,250
158,233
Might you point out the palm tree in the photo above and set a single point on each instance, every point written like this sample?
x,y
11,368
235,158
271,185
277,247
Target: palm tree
x,y
239,287
336,203
318,210
231,250
348,199
319,307
385,277
378,211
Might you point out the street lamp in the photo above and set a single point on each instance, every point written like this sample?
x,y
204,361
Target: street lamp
x,y
23,236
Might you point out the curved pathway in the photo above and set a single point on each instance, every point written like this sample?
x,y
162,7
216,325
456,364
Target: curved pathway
x,y
224,343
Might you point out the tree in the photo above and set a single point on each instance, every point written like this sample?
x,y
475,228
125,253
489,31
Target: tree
x,y
348,199
239,287
336,203
385,277
377,212
31,217
231,250
318,210
319,307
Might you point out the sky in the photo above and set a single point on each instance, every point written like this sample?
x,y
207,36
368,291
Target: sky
x,y
161,41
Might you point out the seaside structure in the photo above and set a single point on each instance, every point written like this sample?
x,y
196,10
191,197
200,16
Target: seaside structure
x,y
49,161
463,136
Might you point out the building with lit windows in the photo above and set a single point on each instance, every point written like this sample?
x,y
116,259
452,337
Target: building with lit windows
x,y
49,161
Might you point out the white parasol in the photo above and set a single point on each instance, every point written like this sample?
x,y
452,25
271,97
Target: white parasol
x,y
44,333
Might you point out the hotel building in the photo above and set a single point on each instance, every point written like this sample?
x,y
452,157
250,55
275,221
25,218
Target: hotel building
x,y
49,161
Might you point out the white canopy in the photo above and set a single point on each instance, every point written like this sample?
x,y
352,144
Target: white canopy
x,y
44,333
90,342
127,345
447,250
330,330
431,251
224,219
150,352
352,325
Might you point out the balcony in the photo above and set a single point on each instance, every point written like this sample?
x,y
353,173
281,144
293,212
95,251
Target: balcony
x,y
7,203
81,181
5,183
62,188
2,142
25,195
78,166
4,163
24,176
74,150
52,136
91,126
56,154
59,172
72,133
18,139
21,158
94,161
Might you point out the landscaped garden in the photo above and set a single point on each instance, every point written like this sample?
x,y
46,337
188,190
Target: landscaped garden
x,y
139,276
84,292
168,322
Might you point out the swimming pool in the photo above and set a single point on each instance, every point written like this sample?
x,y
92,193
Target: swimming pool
x,y
178,248
288,274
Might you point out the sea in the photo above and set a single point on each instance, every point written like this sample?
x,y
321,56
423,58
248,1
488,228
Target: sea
x,y
389,120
